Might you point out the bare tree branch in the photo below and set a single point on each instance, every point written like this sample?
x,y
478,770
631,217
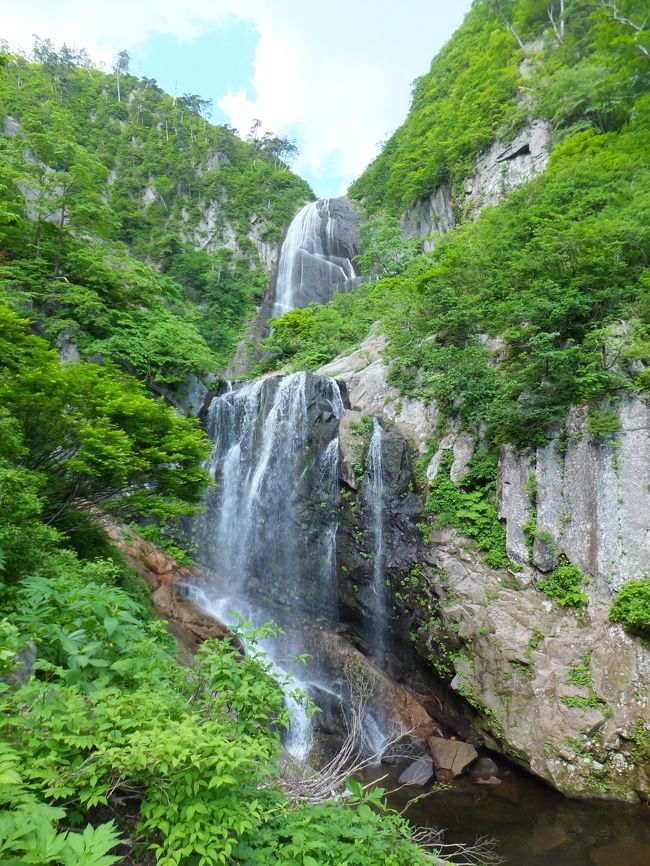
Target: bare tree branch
x,y
497,8
627,22
481,853
558,25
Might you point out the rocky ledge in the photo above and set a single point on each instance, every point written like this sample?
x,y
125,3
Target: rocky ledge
x,y
563,692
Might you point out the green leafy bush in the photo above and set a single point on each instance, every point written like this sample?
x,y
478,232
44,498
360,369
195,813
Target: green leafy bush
x,y
566,585
470,506
632,607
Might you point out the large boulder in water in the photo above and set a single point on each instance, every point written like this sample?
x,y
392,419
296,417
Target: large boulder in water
x,y
450,757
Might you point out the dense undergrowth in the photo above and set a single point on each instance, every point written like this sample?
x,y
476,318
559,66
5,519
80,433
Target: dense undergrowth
x,y
110,750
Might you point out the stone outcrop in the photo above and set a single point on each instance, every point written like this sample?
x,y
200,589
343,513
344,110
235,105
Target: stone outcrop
x,y
365,375
592,499
505,166
497,171
395,704
167,580
566,697
430,216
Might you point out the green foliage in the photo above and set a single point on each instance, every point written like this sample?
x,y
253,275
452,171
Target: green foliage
x,y
470,507
86,435
184,760
477,90
108,173
331,834
566,585
382,249
580,675
632,607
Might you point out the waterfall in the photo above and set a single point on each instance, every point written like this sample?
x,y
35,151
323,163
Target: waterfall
x,y
269,533
314,260
374,495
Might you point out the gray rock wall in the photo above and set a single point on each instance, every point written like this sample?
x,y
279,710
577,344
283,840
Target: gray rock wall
x,y
592,500
506,649
512,653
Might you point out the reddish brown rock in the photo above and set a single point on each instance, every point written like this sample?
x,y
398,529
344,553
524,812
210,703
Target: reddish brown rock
x,y
167,578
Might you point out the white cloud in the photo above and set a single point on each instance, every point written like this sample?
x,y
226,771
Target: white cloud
x,y
338,73
104,28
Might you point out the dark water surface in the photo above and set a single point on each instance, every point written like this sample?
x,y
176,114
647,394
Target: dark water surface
x,y
534,825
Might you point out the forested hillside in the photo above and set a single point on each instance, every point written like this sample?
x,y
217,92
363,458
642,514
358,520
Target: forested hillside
x,y
553,282
132,227
135,240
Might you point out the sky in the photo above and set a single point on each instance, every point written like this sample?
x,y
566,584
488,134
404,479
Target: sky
x,y
335,76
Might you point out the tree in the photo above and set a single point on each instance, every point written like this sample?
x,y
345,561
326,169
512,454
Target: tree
x,y
279,149
382,249
93,435
120,68
500,8
639,30
557,19
195,103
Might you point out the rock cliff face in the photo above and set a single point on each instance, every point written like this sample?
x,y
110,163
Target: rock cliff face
x,y
566,695
592,500
497,172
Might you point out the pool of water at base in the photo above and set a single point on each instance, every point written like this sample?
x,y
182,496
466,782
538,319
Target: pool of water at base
x,y
532,824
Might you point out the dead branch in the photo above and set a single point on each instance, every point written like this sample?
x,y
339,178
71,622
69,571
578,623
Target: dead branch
x,y
558,25
496,7
306,784
627,22
481,853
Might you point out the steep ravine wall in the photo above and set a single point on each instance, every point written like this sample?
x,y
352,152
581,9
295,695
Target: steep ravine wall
x,y
497,171
565,694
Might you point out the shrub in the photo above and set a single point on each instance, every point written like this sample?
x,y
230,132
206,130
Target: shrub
x,y
565,584
632,607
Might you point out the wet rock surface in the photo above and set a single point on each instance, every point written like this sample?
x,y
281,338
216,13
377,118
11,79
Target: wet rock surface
x,y
418,773
167,580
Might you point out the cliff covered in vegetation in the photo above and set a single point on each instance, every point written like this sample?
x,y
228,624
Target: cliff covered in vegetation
x,y
504,341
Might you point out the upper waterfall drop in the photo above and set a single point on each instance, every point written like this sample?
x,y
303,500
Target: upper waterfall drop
x,y
315,261
316,255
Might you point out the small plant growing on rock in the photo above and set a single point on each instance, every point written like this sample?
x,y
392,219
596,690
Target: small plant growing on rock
x,y
632,608
565,584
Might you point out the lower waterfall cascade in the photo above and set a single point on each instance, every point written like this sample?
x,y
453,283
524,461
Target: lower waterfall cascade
x,y
270,528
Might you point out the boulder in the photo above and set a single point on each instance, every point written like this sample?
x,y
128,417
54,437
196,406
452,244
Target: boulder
x,y
405,747
483,768
450,757
419,772
394,704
